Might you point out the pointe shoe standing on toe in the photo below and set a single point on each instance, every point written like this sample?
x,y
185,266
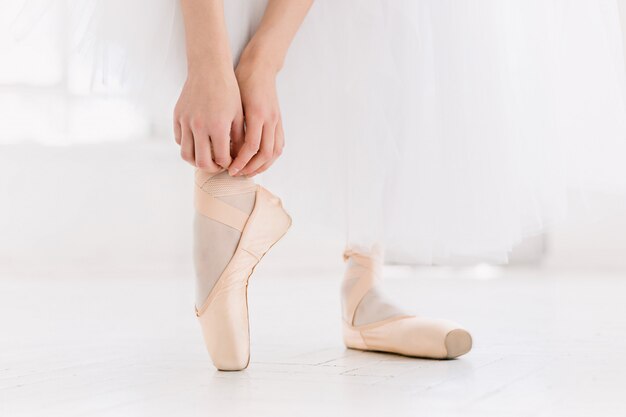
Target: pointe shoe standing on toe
x,y
223,316
402,334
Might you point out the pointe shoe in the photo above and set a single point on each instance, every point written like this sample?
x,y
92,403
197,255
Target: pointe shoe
x,y
404,334
224,315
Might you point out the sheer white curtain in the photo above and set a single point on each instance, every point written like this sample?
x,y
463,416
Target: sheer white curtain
x,y
49,93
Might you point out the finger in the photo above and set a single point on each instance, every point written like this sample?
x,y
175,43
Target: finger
x,y
186,145
265,153
279,144
203,154
177,132
252,141
221,150
237,135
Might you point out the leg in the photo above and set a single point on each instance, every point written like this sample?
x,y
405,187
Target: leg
x,y
237,222
370,322
214,242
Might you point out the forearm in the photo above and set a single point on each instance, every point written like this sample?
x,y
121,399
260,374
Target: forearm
x,y
279,25
206,37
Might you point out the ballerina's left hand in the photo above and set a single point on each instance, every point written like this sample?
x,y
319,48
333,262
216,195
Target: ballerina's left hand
x,y
264,137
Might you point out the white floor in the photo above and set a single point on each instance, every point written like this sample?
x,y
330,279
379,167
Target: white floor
x,y
127,344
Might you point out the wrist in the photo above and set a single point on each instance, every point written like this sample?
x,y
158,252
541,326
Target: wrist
x,y
209,64
261,56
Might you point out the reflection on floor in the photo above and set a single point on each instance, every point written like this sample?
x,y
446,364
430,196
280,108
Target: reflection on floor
x,y
547,343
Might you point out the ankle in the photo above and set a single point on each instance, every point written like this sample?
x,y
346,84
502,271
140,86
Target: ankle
x,y
363,301
223,185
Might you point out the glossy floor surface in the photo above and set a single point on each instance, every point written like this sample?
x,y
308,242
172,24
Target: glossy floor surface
x,y
76,343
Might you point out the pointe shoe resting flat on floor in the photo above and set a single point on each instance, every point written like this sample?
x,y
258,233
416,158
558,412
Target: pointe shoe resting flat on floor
x,y
403,334
224,315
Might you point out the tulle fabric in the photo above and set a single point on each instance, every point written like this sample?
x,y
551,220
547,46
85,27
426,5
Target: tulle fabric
x,y
448,130
460,128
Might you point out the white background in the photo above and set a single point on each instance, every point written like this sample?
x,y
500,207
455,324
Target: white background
x,y
88,178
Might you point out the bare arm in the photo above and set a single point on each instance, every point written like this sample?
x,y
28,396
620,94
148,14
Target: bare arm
x,y
279,26
206,38
209,109
256,73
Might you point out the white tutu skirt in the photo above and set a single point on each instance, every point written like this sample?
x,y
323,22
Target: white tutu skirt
x,y
445,130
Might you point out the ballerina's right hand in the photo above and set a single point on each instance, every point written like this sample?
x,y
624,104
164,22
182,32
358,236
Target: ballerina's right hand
x,y
207,116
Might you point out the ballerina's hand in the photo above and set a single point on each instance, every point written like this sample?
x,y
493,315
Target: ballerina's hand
x,y
264,137
207,116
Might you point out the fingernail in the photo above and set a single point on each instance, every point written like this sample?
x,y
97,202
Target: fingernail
x,y
233,172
